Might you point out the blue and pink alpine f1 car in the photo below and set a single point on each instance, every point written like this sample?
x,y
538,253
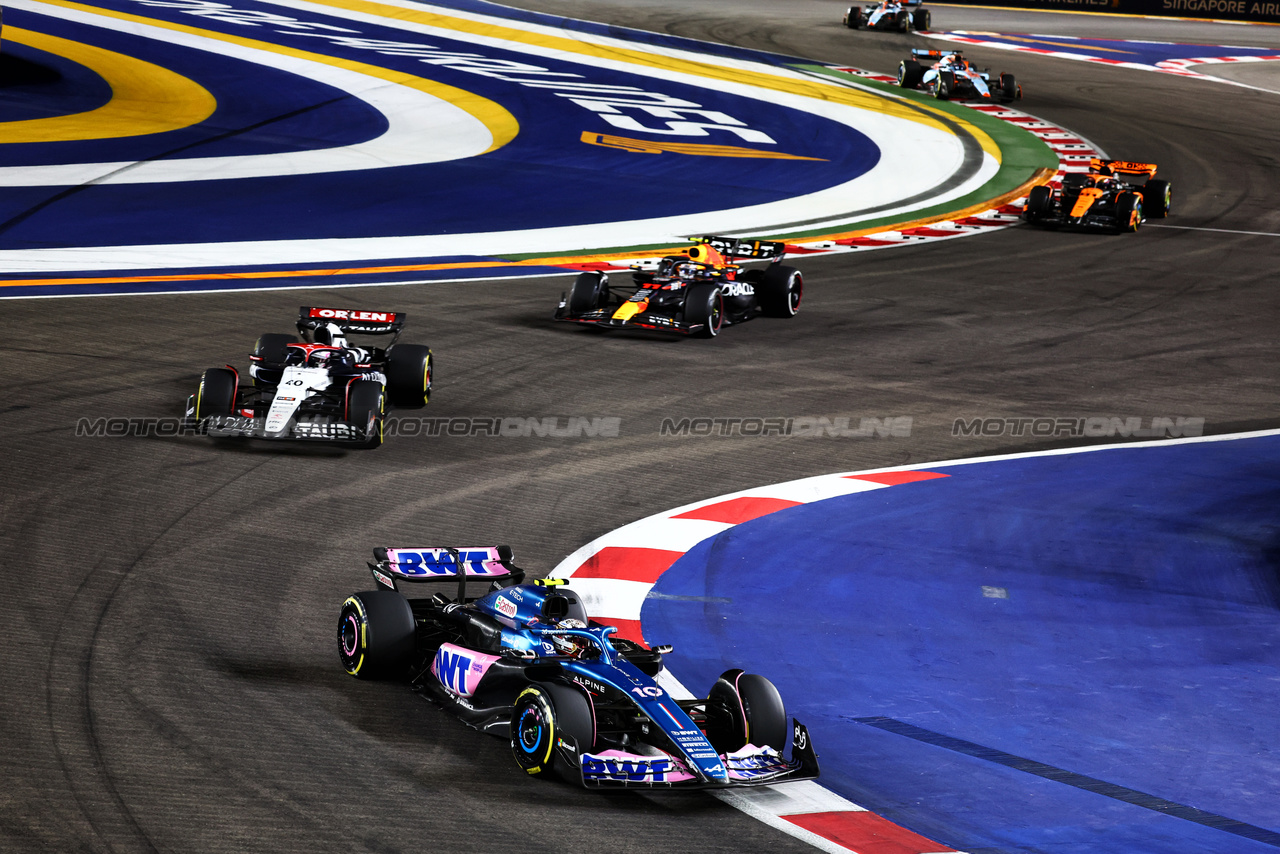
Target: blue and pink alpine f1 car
x,y
525,662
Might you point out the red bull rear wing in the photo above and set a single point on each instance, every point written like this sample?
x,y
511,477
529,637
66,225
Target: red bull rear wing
x,y
735,247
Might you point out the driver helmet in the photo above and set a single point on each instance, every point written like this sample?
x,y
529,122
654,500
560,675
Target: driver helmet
x,y
571,646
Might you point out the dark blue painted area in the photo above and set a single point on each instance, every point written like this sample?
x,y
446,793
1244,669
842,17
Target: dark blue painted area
x,y
259,110
1147,53
39,85
1139,644
546,177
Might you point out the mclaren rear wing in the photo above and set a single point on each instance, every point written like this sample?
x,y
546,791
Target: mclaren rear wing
x,y
488,564
1121,167
351,320
736,247
919,53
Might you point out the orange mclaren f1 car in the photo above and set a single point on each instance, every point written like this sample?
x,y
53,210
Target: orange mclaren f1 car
x,y
1108,196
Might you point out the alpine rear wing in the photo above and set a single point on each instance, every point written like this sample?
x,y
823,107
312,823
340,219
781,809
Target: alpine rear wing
x,y
489,564
350,320
1121,167
736,247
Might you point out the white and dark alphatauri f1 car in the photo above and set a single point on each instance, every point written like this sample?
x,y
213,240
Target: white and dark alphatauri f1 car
x,y
322,388
526,662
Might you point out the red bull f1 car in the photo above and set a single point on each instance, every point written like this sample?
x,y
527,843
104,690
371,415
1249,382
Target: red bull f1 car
x,y
577,702
947,75
889,15
322,388
696,293
1115,195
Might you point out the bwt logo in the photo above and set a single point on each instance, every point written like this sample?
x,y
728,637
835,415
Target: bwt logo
x,y
632,770
451,668
440,563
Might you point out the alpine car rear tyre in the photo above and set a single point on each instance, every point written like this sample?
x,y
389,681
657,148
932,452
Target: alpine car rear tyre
x,y
1156,197
750,711
409,373
1128,212
375,634
780,290
367,407
921,19
704,304
542,715
589,292
217,393
1038,202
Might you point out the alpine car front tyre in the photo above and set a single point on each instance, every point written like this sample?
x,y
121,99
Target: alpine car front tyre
x,y
704,305
748,710
217,393
543,714
780,290
409,374
375,634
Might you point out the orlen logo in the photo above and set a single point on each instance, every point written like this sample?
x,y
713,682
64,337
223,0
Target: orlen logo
x,y
737,289
345,314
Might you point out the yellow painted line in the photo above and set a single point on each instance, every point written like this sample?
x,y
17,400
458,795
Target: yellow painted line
x,y
501,124
1041,176
145,98
707,70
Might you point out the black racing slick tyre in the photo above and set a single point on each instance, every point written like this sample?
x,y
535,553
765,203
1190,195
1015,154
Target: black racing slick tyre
x,y
1156,197
217,393
704,304
1038,202
367,408
409,374
271,346
543,714
1128,212
853,18
780,290
744,708
910,73
945,85
589,292
1008,88
376,634
904,22
921,19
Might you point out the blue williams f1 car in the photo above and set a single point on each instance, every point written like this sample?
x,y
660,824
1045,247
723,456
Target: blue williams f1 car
x,y
525,662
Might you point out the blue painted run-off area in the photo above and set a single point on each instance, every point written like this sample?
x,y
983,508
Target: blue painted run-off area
x,y
1113,614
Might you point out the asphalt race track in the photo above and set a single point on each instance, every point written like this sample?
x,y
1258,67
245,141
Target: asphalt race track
x,y
170,681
